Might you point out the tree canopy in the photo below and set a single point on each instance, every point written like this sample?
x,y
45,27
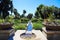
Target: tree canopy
x,y
29,15
17,15
5,7
45,11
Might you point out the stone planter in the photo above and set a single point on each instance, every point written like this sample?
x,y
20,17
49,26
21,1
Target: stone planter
x,y
4,26
51,35
5,34
6,31
52,28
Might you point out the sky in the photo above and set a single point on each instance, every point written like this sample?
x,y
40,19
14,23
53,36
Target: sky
x,y
31,5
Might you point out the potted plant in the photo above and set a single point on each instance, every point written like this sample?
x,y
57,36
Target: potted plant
x,y
52,24
6,23
6,29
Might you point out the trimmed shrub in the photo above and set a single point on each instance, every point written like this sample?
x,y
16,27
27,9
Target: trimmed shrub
x,y
37,26
58,21
20,26
34,20
37,20
1,20
24,20
17,21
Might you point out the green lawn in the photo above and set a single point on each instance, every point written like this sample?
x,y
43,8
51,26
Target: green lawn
x,y
19,25
37,26
22,26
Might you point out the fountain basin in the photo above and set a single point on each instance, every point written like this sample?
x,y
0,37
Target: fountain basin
x,y
28,34
25,36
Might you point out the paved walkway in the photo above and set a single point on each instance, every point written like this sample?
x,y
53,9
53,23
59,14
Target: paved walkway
x,y
39,35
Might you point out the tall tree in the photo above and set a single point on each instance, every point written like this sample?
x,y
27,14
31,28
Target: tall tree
x,y
24,12
17,15
46,11
29,15
37,15
40,10
5,6
56,13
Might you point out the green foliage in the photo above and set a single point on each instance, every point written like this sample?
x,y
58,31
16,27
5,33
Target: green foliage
x,y
23,15
29,15
17,21
37,20
37,15
20,26
23,26
34,20
9,19
58,21
24,11
51,18
1,20
17,15
24,20
5,6
43,11
37,26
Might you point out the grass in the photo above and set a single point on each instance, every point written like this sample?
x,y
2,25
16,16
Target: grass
x,y
23,26
37,26
20,26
